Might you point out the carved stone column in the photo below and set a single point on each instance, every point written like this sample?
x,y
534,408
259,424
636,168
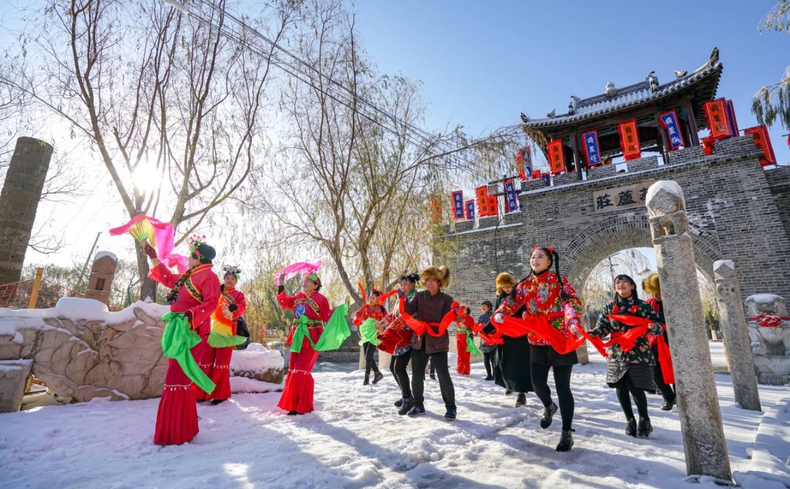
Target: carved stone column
x,y
698,403
736,335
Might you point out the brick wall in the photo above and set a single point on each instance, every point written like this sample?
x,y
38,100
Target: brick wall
x,y
732,204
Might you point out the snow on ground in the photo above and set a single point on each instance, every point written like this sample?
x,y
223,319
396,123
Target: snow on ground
x,y
356,439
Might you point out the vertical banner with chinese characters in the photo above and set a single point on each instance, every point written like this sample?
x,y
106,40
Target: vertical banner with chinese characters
x,y
524,163
436,211
458,204
629,140
481,194
762,141
621,198
546,179
669,121
493,206
591,148
732,119
511,201
556,157
718,120
470,210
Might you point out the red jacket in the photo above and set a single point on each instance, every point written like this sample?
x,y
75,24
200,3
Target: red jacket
x,y
241,305
198,297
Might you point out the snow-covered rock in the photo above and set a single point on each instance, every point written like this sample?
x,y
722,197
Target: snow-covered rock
x,y
258,362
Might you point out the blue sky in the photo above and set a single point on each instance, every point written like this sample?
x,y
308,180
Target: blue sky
x,y
483,62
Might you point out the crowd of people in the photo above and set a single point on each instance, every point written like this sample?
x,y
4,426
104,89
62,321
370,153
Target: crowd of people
x,y
533,328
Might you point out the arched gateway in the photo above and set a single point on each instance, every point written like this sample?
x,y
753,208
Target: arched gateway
x,y
737,210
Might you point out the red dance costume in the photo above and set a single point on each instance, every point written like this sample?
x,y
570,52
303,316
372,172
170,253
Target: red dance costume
x,y
217,360
177,420
299,384
464,356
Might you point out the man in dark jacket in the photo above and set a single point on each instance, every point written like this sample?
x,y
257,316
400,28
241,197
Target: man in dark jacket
x,y
431,305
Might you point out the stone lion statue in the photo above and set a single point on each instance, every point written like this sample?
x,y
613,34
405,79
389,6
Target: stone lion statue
x,y
768,323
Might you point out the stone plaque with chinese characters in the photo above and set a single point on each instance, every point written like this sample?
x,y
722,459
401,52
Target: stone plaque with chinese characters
x,y
615,199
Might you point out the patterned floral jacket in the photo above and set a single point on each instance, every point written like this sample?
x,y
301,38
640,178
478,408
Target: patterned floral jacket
x,y
605,326
540,295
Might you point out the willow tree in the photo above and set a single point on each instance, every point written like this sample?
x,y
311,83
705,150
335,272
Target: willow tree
x,y
772,102
169,100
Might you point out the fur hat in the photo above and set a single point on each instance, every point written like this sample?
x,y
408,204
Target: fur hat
x,y
651,285
442,274
504,279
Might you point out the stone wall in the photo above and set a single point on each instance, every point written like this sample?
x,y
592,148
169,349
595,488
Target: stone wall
x,y
81,351
779,182
733,211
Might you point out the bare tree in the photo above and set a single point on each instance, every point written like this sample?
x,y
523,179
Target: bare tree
x,y
171,103
772,102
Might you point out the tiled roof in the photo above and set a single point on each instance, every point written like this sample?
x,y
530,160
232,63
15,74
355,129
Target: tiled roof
x,y
630,96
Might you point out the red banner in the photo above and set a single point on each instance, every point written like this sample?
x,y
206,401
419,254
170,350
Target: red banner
x,y
524,163
556,157
763,141
718,119
629,140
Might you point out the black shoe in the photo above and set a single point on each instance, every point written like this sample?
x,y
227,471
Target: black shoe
x,y
521,400
433,376
508,392
201,400
630,427
366,381
548,415
399,402
417,410
667,406
217,401
377,378
408,403
489,378
645,428
292,413
566,441
450,415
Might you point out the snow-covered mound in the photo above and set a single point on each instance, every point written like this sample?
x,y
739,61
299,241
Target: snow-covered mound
x,y
256,358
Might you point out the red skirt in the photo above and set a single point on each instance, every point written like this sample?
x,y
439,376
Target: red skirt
x,y
220,373
299,384
464,357
176,420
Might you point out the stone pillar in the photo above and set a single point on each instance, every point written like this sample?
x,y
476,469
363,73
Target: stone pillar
x,y
19,200
101,277
698,403
736,337
13,378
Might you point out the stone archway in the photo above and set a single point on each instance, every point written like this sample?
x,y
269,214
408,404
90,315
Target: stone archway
x,y
621,232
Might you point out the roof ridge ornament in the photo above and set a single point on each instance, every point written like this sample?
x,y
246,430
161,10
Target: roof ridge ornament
x,y
552,113
575,102
652,80
610,90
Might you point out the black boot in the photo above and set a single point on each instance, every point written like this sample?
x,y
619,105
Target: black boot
x,y
566,441
377,377
367,380
548,415
217,401
399,402
417,410
521,400
630,427
645,428
667,406
406,406
450,415
489,377
508,391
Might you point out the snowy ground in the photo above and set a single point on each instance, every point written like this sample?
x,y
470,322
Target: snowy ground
x,y
355,439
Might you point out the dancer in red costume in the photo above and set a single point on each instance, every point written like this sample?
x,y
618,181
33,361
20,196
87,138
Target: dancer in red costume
x,y
193,295
230,308
549,294
297,397
462,347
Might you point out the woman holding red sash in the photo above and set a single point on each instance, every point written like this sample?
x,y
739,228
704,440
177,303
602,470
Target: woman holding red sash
x,y
401,351
548,294
297,397
431,306
629,370
651,286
